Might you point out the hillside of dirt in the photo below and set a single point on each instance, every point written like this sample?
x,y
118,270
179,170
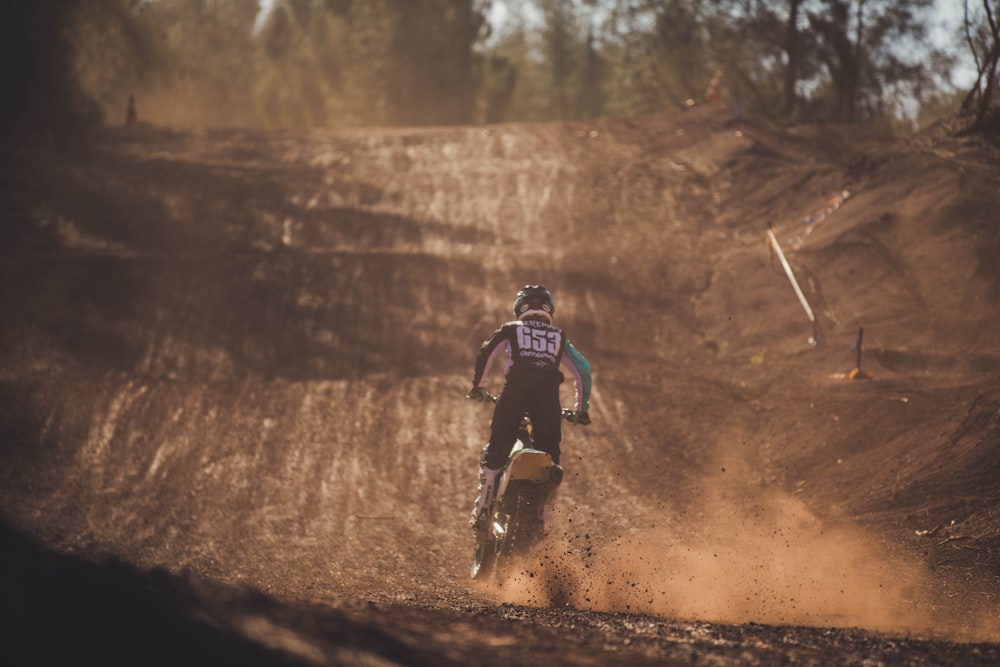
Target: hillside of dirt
x,y
233,362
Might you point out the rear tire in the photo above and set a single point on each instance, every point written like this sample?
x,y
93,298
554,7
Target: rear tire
x,y
524,523
483,555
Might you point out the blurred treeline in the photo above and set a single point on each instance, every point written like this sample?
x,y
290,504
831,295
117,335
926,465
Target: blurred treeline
x,y
307,63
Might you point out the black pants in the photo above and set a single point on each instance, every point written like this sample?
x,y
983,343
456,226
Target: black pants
x,y
534,394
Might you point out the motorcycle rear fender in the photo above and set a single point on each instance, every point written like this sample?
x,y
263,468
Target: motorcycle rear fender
x,y
528,464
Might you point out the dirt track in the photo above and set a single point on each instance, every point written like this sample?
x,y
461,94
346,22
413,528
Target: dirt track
x,y
237,359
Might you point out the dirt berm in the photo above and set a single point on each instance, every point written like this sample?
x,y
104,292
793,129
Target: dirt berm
x,y
232,368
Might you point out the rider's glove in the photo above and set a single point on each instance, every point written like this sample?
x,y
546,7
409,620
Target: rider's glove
x,y
582,418
478,394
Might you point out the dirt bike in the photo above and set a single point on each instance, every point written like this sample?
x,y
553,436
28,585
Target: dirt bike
x,y
515,522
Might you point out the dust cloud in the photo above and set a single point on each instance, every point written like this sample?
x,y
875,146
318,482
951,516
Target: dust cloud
x,y
757,556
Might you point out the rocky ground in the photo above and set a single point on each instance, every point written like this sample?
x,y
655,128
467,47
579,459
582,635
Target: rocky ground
x,y
232,368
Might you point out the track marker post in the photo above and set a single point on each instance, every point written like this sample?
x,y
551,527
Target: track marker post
x,y
814,339
858,373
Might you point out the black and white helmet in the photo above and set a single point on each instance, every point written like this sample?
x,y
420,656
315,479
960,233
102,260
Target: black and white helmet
x,y
534,302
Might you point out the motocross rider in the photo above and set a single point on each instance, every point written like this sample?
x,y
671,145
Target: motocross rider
x,y
535,349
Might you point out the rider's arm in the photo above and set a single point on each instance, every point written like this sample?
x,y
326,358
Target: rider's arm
x,y
496,343
580,368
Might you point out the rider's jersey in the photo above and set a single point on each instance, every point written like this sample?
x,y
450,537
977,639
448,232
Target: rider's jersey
x,y
538,348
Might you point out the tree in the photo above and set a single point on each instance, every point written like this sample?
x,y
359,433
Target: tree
x,y
560,34
432,66
42,98
841,54
749,42
302,60
417,62
346,62
983,37
656,53
871,51
793,52
516,79
593,74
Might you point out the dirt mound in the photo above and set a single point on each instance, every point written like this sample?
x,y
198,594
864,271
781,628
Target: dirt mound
x,y
241,355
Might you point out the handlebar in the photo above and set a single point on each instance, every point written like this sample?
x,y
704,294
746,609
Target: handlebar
x,y
565,413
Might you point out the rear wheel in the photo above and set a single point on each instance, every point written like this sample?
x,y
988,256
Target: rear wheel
x,y
522,508
485,552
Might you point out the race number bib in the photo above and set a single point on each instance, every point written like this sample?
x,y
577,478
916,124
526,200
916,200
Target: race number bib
x,y
538,343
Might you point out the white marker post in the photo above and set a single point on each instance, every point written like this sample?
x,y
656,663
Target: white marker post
x,y
795,285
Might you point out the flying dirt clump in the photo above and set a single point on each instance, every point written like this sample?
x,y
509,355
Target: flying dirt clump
x,y
767,561
751,554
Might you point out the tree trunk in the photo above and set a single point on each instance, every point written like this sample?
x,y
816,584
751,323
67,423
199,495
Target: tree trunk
x,y
990,68
792,52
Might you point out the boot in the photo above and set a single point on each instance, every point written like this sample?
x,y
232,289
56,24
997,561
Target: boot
x,y
487,489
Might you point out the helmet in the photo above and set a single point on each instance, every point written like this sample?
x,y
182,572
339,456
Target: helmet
x,y
534,302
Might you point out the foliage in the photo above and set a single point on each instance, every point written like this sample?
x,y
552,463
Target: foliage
x,y
311,63
41,100
982,30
